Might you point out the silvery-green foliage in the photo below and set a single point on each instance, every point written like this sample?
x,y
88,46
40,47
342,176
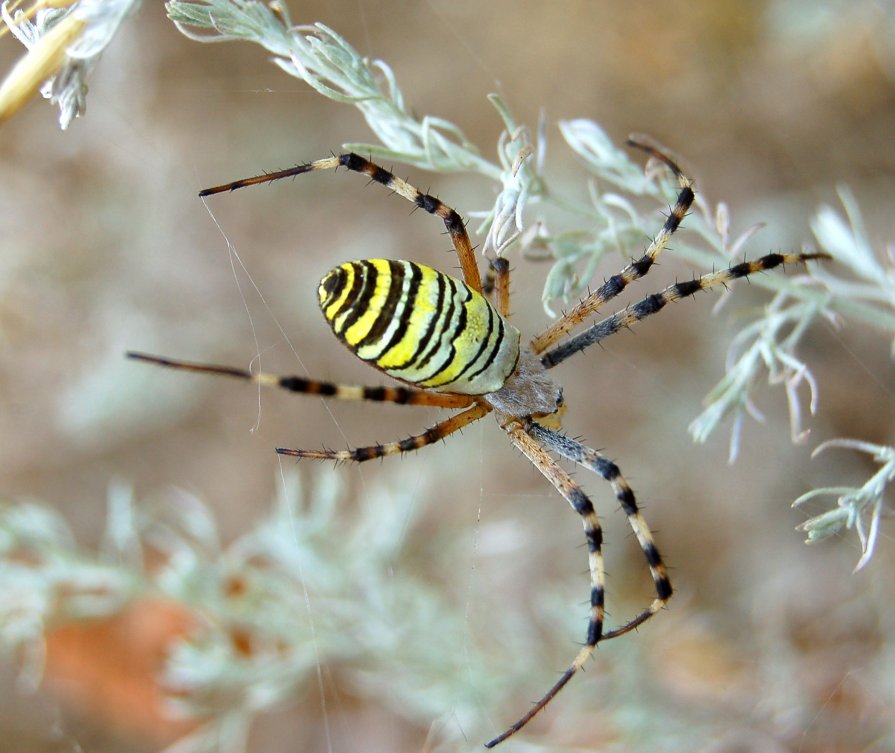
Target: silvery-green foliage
x,y
46,579
314,583
856,506
869,298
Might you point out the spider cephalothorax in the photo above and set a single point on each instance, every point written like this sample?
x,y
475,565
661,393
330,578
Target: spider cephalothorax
x,y
454,348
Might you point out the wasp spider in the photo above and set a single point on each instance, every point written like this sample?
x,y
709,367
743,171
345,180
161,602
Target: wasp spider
x,y
454,348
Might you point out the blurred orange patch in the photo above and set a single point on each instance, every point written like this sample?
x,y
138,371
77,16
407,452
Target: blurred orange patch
x,y
108,670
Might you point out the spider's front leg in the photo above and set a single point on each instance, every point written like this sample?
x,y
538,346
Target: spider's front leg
x,y
612,287
453,222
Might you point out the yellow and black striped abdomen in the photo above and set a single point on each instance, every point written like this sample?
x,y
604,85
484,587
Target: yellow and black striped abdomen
x,y
419,325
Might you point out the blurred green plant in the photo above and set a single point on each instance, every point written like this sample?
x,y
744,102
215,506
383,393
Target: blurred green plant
x,y
325,592
318,582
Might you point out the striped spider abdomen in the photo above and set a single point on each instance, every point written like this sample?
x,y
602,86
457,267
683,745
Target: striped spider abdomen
x,y
420,325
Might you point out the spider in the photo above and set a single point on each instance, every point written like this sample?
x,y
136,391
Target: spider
x,y
454,348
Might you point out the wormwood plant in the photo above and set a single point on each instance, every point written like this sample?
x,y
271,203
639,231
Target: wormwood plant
x,y
290,560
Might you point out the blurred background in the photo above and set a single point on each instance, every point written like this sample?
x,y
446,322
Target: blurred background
x,y
769,645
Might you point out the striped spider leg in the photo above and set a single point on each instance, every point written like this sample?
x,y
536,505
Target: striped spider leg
x,y
652,304
454,223
453,348
398,395
613,286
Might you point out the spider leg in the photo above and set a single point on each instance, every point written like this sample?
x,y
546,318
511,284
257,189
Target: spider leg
x,y
652,304
452,220
594,535
430,436
497,281
637,269
599,464
400,395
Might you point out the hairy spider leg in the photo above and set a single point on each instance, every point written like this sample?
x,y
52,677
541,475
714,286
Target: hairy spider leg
x,y
434,206
609,471
400,395
654,303
417,441
593,533
613,286
498,278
